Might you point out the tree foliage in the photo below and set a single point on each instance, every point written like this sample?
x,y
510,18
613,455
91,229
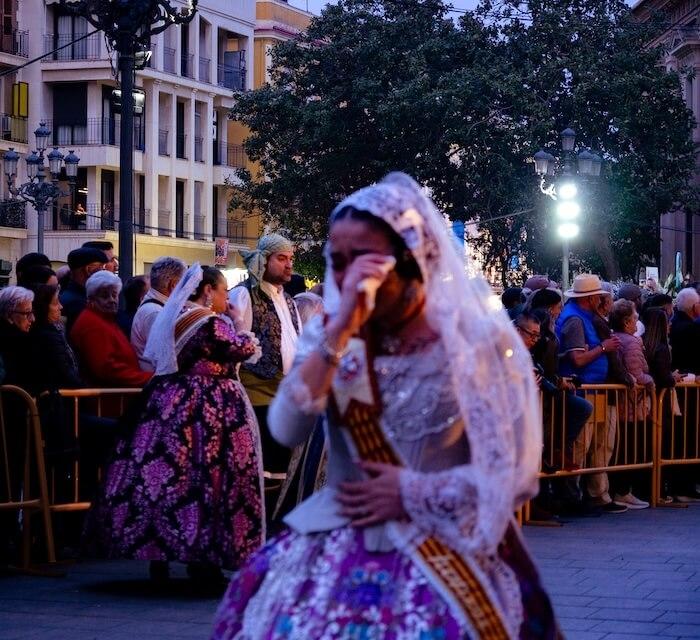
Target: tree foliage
x,y
380,85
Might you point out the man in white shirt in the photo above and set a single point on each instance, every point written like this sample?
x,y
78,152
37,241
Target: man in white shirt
x,y
260,305
166,272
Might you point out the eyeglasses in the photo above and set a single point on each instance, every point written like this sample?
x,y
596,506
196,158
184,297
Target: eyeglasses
x,y
24,313
535,335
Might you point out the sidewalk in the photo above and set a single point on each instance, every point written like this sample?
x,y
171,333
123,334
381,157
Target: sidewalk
x,y
618,577
634,575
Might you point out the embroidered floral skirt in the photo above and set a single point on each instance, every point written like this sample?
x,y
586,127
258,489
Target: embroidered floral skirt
x,y
327,586
186,485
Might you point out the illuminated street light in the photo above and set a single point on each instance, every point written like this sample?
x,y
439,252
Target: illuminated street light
x,y
568,210
567,191
572,170
568,230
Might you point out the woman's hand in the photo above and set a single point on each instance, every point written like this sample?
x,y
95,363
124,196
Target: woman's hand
x,y
373,501
353,310
256,346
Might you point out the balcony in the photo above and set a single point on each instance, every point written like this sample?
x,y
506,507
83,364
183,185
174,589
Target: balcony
x,y
187,65
182,222
96,131
204,70
232,229
13,128
164,228
12,214
88,49
198,149
229,155
163,149
169,60
92,218
231,77
15,43
200,227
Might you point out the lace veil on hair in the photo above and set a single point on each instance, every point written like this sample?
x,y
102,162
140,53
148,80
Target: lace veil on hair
x,y
160,347
490,368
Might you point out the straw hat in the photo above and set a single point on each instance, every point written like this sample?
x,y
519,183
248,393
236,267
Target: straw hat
x,y
585,285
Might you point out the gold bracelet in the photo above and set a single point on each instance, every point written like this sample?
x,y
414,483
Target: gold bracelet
x,y
330,355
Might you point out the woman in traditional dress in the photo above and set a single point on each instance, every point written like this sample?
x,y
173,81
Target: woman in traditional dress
x,y
186,485
435,439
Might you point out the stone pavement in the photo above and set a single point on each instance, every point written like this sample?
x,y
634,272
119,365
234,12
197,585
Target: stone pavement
x,y
618,577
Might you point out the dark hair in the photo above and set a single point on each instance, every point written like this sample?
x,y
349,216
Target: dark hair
x,y
526,316
43,296
512,297
655,329
210,276
29,260
35,274
133,292
657,300
544,298
102,245
406,265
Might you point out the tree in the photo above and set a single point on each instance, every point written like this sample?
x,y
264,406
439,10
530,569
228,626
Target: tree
x,y
381,85
587,64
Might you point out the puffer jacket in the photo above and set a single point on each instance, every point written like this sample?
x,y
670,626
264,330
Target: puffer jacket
x,y
634,359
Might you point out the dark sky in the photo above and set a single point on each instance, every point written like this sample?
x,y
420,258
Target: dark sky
x,y
315,5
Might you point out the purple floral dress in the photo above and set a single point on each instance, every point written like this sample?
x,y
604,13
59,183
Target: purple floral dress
x,y
186,485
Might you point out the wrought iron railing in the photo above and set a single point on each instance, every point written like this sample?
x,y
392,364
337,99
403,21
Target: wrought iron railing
x,y
229,155
89,48
13,128
95,131
13,214
16,43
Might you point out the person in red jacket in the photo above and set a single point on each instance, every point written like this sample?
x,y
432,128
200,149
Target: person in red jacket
x,y
106,356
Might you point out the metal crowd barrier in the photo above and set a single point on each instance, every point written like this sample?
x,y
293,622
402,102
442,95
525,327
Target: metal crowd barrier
x,y
620,429
628,429
65,476
678,436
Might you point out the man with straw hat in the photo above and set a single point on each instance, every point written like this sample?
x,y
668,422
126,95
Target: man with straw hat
x,y
260,305
583,355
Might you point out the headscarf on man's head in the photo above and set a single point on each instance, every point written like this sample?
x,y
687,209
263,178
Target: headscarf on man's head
x,y
256,260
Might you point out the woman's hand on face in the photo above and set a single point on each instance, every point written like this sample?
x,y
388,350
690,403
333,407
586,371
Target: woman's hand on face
x,y
373,501
354,311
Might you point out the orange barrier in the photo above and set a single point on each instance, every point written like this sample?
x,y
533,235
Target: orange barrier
x,y
65,483
618,436
678,433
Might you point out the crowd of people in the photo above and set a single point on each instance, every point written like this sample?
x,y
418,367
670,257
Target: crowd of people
x,y
391,399
598,333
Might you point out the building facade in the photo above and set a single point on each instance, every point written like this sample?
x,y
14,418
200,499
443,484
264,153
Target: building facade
x,y
186,148
680,229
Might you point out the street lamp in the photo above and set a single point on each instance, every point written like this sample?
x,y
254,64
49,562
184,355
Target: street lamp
x,y
37,191
564,189
128,26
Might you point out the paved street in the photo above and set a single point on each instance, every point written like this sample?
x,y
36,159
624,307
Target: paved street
x,y
618,577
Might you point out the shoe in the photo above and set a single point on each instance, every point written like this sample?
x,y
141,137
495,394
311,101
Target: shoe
x,y
687,499
665,500
630,501
612,507
159,570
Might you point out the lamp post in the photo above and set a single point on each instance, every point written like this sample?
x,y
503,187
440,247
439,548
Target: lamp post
x,y
564,187
37,191
128,26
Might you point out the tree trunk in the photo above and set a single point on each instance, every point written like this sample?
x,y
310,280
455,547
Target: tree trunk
x,y
607,256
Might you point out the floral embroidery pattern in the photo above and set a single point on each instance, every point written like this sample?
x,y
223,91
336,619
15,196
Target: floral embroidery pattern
x,y
186,485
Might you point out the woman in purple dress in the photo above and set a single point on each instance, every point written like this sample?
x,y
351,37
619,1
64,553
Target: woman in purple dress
x,y
186,484
434,436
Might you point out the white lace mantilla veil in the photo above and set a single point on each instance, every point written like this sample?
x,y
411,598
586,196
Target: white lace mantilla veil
x,y
491,370
160,346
